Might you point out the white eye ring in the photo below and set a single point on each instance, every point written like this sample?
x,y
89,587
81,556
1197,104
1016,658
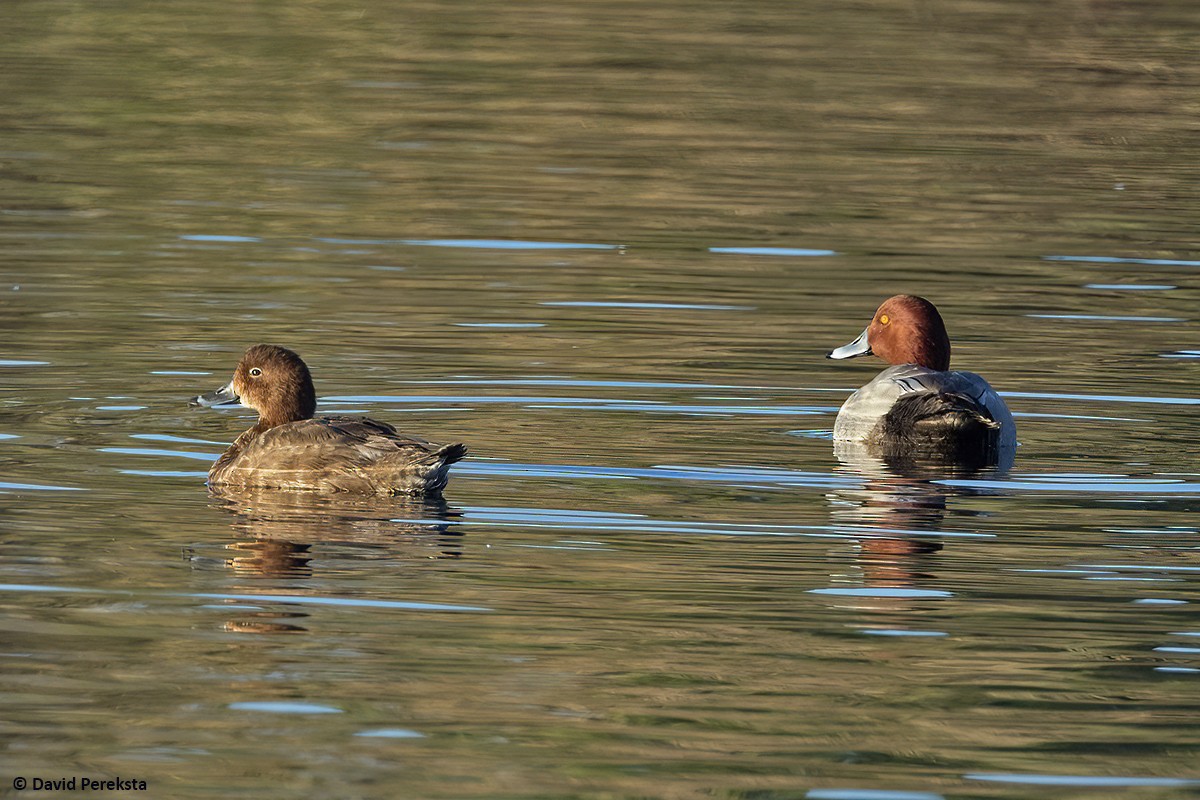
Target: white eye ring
x,y
255,372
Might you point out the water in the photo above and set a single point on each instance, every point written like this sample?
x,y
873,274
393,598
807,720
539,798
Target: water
x,y
607,246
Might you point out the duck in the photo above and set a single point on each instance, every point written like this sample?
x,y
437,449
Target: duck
x,y
919,403
290,448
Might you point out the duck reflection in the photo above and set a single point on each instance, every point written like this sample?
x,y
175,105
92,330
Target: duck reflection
x,y
280,535
277,531
898,500
265,622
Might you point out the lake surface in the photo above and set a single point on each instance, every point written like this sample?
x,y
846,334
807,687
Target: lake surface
x,y
606,245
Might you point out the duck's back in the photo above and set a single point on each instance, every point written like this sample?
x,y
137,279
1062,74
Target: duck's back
x,y
909,401
348,454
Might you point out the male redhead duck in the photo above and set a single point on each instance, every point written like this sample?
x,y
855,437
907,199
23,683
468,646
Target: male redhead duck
x,y
289,449
919,403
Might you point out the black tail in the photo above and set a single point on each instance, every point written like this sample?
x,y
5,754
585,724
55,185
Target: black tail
x,y
431,480
941,423
451,453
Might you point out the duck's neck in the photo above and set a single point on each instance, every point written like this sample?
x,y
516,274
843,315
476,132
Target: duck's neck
x,y
265,423
300,404
272,418
931,350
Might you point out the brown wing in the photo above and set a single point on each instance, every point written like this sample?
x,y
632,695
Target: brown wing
x,y
341,440
342,453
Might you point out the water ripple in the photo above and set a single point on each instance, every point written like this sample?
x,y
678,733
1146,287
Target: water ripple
x,y
1131,287
606,522
632,304
39,487
588,404
505,325
1105,317
1077,780
1106,398
284,707
353,602
594,384
213,237
1157,262
391,733
166,437
881,591
465,399
1079,483
869,794
291,599
696,410
147,451
483,244
773,251
733,475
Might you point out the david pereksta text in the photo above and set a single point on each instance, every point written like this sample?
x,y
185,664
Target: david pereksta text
x,y
79,783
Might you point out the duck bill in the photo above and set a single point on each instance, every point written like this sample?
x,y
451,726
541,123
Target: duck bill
x,y
223,396
859,347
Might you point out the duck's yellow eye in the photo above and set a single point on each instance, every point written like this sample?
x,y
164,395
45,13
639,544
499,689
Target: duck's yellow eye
x,y
884,319
255,372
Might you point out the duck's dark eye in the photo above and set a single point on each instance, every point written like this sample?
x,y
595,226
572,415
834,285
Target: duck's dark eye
x,y
255,372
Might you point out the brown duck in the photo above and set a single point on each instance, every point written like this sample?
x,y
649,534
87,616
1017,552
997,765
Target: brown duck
x,y
290,449
919,403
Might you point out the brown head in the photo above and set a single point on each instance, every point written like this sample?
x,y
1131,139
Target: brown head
x,y
273,381
905,330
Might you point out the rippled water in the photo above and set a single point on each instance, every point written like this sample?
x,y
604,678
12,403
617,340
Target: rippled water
x,y
607,246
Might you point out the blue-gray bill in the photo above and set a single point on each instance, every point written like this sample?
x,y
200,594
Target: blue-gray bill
x,y
859,347
223,396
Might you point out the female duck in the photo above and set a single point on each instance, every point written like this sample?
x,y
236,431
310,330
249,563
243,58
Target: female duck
x,y
289,449
918,403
